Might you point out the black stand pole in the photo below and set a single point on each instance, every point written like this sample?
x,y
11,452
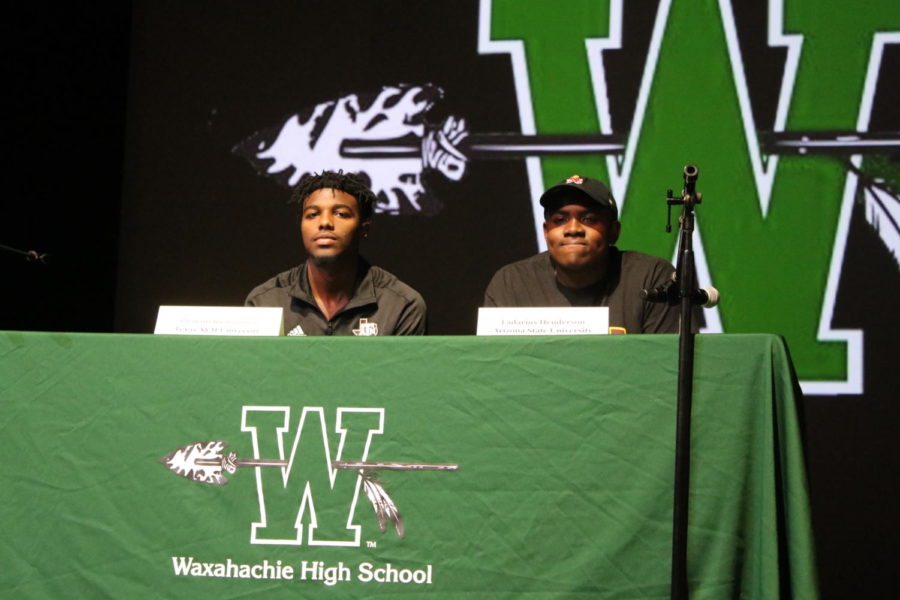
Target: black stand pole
x,y
687,292
682,290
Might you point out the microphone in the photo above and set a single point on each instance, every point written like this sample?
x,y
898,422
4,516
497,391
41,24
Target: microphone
x,y
707,296
33,256
30,255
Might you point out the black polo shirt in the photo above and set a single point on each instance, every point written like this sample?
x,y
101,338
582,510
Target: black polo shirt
x,y
532,282
381,305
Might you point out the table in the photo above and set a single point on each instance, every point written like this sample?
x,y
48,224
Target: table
x,y
564,488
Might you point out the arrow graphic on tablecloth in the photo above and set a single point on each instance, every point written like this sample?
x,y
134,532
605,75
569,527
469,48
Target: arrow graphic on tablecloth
x,y
204,462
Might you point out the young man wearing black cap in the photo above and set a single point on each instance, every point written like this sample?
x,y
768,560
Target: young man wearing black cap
x,y
583,267
336,292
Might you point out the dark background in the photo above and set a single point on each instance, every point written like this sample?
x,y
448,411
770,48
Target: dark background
x,y
211,85
112,262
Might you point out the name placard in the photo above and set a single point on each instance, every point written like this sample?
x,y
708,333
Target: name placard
x,y
575,320
219,320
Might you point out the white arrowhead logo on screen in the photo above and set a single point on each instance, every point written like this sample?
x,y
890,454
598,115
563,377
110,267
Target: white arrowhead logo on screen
x,y
387,137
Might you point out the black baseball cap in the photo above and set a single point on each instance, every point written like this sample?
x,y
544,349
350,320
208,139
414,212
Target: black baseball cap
x,y
593,190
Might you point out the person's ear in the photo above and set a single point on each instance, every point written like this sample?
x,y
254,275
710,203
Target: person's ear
x,y
614,231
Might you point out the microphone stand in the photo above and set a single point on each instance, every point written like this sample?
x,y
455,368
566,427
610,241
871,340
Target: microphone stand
x,y
685,290
682,290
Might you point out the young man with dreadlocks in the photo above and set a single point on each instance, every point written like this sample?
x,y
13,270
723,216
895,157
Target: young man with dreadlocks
x,y
336,292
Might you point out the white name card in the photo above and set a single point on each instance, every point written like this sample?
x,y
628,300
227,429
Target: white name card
x,y
576,320
219,320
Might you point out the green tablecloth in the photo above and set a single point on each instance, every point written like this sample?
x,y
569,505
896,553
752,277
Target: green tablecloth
x,y
565,447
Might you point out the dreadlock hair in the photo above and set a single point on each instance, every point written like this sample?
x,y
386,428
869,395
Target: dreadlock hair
x,y
355,184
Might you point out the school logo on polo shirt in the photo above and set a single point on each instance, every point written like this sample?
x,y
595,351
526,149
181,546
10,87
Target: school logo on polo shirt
x,y
366,328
